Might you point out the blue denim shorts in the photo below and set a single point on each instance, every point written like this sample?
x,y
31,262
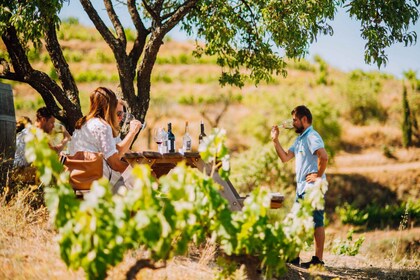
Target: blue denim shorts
x,y
317,214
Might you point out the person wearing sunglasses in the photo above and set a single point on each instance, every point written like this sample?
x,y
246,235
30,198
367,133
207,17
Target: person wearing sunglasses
x,y
97,131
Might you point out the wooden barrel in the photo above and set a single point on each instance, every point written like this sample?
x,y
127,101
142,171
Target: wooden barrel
x,y
7,132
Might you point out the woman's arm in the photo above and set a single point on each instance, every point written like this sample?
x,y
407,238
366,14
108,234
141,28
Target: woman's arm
x,y
124,145
116,164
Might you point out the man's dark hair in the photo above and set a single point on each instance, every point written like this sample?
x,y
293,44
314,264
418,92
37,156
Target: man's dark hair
x,y
43,112
302,111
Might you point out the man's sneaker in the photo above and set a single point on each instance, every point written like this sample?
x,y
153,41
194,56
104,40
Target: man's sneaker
x,y
315,261
295,261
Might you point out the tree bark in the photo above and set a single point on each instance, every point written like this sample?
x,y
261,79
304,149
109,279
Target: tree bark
x,y
49,90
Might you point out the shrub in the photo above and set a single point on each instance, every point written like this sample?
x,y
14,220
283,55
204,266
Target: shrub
x,y
95,76
377,216
260,166
322,78
348,247
326,122
361,92
73,56
104,57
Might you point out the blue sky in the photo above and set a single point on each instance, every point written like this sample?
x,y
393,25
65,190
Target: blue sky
x,y
344,50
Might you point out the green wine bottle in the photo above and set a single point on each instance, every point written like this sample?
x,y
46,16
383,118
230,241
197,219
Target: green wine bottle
x,y
171,139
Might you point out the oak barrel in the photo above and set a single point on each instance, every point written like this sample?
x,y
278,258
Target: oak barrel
x,y
7,132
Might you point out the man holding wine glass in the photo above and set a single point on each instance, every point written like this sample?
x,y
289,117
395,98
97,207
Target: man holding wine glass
x,y
311,162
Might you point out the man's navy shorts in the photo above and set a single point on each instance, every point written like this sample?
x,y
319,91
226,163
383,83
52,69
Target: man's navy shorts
x,y
317,214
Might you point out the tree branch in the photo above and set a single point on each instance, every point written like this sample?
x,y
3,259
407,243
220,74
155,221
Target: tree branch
x,y
119,29
49,90
99,24
139,265
207,118
178,15
252,17
135,17
70,98
142,33
155,16
5,72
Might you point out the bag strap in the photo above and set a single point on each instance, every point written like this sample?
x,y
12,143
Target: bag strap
x,y
110,170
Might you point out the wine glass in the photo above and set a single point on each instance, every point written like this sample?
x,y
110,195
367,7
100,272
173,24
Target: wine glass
x,y
286,124
126,118
158,136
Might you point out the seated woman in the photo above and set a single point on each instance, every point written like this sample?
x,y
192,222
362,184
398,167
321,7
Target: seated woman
x,y
96,132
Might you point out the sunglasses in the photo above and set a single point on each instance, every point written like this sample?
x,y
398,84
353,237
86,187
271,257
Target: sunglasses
x,y
120,113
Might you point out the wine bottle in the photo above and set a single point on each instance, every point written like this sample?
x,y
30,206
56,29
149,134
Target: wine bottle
x,y
186,140
202,134
164,142
171,139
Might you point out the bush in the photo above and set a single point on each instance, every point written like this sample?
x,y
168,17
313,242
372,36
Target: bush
x,y
361,92
325,121
348,247
73,56
95,76
322,78
377,216
260,166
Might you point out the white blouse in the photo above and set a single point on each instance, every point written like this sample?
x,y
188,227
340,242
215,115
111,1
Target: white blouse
x,y
96,136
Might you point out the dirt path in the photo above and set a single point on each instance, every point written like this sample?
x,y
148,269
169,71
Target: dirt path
x,y
374,161
393,167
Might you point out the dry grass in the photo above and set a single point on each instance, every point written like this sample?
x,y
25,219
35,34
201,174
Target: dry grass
x,y
27,247
28,251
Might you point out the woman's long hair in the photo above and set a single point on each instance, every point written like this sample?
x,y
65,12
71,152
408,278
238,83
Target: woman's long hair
x,y
103,104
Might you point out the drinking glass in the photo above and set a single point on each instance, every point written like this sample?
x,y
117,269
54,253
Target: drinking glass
x,y
286,124
127,117
158,136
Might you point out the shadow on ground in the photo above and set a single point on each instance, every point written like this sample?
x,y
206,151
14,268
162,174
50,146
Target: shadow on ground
x,y
358,191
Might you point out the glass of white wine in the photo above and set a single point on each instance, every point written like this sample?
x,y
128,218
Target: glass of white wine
x,y
286,124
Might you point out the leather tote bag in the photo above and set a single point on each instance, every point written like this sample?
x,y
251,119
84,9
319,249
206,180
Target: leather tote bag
x,y
84,168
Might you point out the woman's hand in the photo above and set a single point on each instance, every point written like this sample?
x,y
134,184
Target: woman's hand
x,y
135,126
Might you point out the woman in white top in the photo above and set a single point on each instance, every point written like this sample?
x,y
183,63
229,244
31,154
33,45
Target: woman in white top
x,y
96,132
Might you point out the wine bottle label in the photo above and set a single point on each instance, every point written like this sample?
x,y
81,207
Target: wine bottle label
x,y
171,146
187,145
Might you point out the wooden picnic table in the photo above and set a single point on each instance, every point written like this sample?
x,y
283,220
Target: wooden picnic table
x,y
161,164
